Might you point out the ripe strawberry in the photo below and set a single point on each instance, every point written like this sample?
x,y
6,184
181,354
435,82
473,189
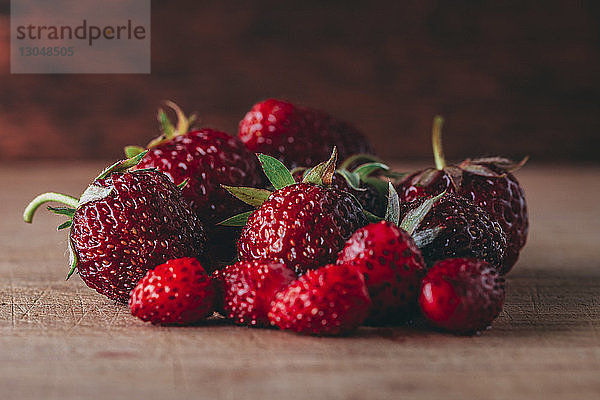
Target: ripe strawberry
x,y
298,136
125,224
392,266
207,158
455,227
302,225
462,295
176,292
247,289
332,300
488,182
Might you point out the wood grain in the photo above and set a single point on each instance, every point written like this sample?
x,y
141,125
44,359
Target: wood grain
x,y
61,340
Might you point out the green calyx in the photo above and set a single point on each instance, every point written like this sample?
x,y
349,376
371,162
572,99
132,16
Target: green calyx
x,y
167,128
71,203
280,177
414,217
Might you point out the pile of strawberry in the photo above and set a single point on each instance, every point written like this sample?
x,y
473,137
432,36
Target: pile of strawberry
x,y
196,223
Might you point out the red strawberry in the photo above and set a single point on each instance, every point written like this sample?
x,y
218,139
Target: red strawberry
x,y
125,224
462,295
207,158
302,225
487,182
176,292
247,289
332,300
455,227
298,136
392,266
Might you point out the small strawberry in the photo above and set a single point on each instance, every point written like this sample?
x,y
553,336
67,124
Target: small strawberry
x,y
488,182
462,295
452,226
331,300
392,266
302,225
206,158
124,224
247,289
177,292
298,136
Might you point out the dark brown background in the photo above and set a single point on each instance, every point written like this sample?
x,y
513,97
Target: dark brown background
x,y
509,77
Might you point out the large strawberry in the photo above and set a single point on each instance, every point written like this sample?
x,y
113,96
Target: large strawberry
x,y
124,224
462,295
449,226
302,225
392,266
331,300
207,158
488,182
298,136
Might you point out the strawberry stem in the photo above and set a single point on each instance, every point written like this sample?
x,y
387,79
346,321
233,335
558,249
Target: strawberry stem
x,y
436,140
46,198
169,130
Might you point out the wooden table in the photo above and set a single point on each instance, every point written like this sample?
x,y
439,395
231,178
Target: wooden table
x,y
61,340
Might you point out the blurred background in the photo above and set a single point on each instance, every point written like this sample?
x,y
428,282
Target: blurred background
x,y
510,77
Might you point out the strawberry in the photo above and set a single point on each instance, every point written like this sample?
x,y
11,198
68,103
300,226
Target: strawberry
x,y
298,136
302,225
454,227
331,300
462,295
207,158
124,224
488,182
392,266
247,289
178,292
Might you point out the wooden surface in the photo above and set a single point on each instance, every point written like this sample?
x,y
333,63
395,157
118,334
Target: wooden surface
x,y
61,340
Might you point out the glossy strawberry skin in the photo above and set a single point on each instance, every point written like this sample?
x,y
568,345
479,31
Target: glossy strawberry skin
x,y
245,290
298,136
462,295
209,159
465,230
302,226
143,222
502,197
392,266
331,300
178,292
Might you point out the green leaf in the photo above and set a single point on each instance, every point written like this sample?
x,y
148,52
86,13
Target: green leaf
x,y
73,257
278,174
237,220
322,174
392,213
122,165
65,225
371,217
68,211
426,236
414,217
380,185
132,151
351,178
252,196
367,169
166,126
358,158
